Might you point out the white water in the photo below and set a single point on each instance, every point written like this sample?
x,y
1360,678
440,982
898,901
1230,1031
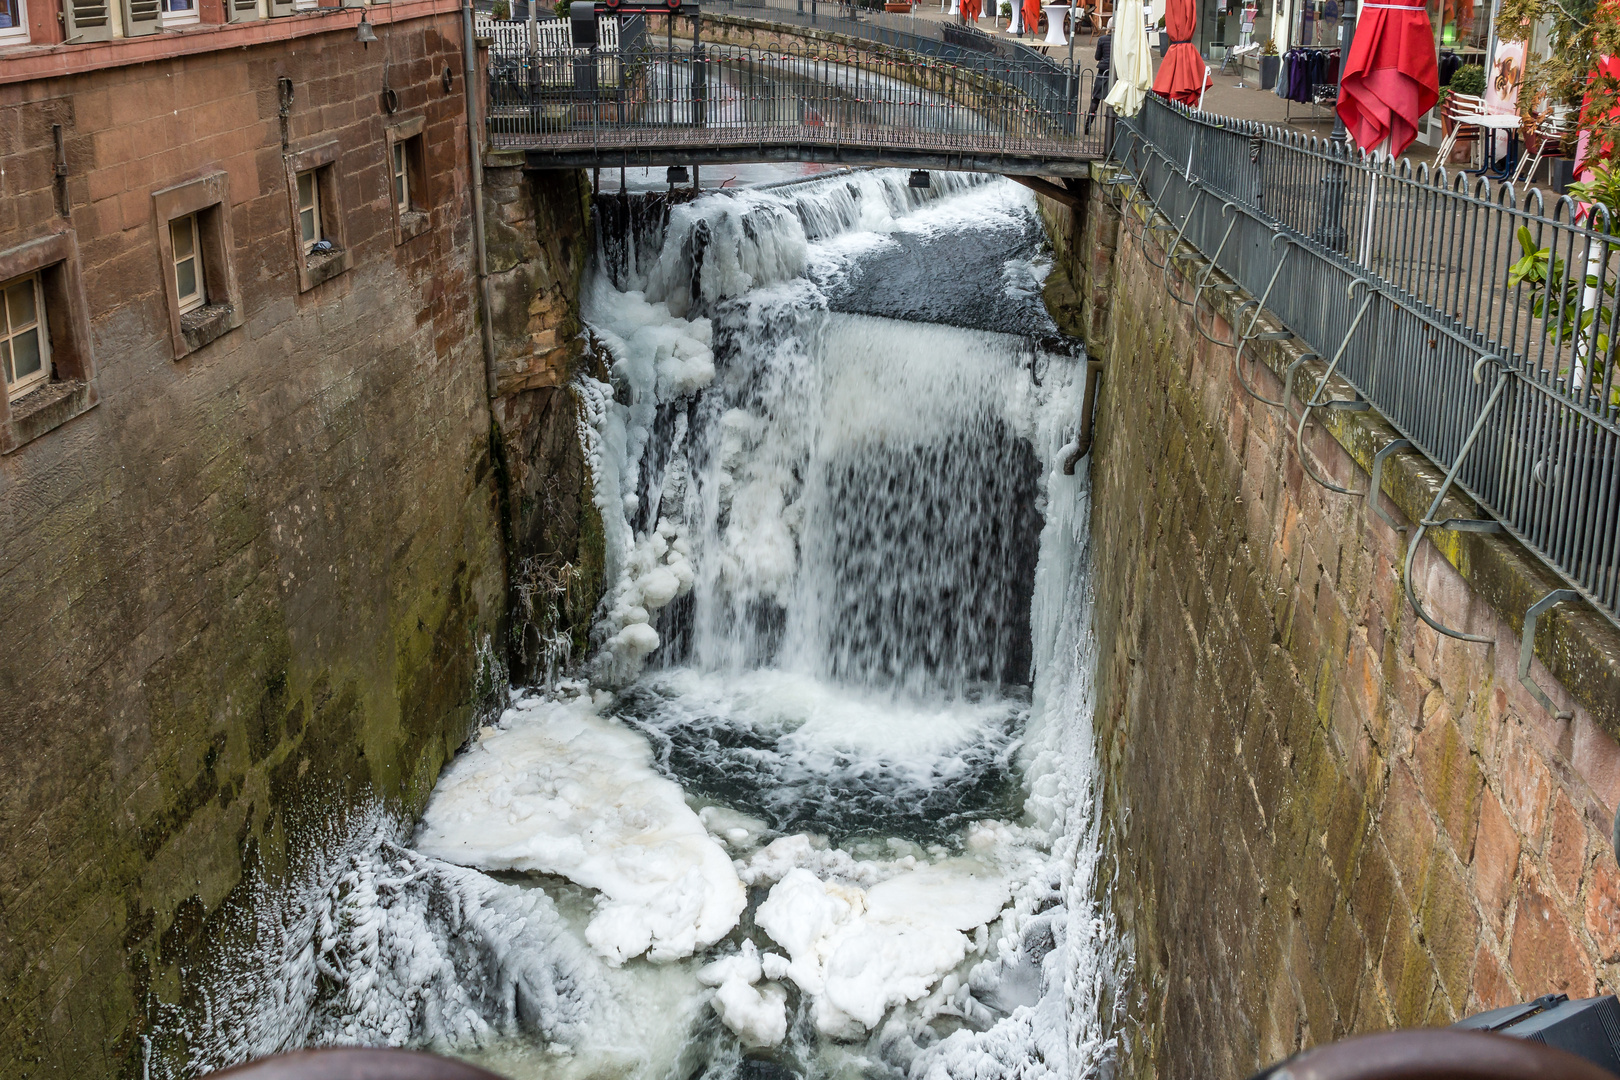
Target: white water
x,y
820,801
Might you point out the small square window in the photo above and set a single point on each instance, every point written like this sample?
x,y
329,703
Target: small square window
x,y
407,179
195,251
13,22
309,209
25,347
189,287
315,197
179,12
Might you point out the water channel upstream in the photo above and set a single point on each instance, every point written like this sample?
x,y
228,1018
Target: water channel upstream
x,y
819,804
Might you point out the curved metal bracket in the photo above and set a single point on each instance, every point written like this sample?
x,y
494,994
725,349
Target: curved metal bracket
x,y
1203,275
1315,401
1377,481
1527,648
1140,235
1428,519
1198,193
1288,380
1246,336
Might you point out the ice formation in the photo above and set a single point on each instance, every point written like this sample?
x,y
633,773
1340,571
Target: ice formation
x,y
842,668
558,789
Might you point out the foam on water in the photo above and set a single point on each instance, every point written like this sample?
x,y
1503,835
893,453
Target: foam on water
x,y
821,795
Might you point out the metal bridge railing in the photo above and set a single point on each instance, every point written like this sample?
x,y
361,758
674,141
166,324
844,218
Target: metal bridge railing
x,y
647,94
1477,319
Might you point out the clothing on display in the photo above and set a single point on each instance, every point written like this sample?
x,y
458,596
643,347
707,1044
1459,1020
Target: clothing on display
x,y
1307,73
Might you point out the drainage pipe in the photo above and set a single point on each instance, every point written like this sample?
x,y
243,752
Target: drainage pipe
x,y
1082,442
475,158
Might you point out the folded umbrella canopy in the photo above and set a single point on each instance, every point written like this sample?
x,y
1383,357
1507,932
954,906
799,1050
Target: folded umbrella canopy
x,y
1132,60
1391,77
1182,77
970,10
1032,15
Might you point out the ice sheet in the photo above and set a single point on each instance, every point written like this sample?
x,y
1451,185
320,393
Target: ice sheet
x,y
858,952
558,789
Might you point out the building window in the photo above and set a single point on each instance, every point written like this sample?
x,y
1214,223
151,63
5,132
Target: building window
x,y
13,22
407,178
402,179
25,347
317,209
195,246
179,12
45,356
189,288
309,210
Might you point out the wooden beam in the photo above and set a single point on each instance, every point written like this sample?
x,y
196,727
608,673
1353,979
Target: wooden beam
x,y
1047,188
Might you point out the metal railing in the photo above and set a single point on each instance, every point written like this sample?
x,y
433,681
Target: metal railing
x,y
511,36
647,95
1420,290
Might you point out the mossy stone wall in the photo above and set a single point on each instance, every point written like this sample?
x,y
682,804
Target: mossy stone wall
x,y
1328,819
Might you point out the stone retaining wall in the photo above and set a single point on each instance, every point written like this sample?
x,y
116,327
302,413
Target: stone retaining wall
x,y
1328,819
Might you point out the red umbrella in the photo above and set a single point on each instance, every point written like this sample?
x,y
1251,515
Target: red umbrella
x,y
970,10
1032,16
1182,75
1390,78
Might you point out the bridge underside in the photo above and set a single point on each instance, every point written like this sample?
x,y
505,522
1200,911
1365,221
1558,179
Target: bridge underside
x,y
640,156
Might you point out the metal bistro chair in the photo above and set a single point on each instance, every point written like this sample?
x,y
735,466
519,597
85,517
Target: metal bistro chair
x,y
1464,112
1554,131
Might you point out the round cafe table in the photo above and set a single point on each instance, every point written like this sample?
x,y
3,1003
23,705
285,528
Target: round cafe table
x,y
1055,14
1494,122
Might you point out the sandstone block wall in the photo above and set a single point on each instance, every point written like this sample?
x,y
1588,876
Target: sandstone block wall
x,y
1328,818
245,590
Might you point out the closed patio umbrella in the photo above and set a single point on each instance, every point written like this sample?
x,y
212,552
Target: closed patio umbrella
x,y
1032,15
1132,60
1391,77
1182,77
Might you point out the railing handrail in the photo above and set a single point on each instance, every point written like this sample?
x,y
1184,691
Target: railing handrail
x,y
1411,280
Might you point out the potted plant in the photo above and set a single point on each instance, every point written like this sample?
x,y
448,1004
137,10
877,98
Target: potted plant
x,y
501,11
1270,64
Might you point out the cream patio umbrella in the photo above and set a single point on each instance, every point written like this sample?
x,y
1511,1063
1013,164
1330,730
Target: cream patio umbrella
x,y
1133,62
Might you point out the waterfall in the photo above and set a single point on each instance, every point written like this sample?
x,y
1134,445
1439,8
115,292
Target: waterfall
x,y
819,803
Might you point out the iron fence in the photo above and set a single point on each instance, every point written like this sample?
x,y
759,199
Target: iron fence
x,y
1478,319
648,95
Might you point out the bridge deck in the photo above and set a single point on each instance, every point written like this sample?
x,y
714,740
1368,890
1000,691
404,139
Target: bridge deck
x,y
727,104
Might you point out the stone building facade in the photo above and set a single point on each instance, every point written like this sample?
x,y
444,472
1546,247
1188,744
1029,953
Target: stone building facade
x,y
251,537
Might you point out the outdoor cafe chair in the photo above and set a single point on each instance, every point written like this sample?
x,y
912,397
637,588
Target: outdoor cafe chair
x,y
1553,131
1464,111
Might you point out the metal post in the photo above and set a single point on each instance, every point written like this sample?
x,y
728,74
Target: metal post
x,y
1331,232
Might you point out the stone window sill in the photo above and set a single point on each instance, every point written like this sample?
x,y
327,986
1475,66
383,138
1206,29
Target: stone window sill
x,y
44,410
412,223
323,267
206,323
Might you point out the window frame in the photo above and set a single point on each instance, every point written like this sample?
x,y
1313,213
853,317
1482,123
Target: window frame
x,y
207,201
407,136
316,235
17,34
199,291
54,257
40,325
170,19
399,169
323,160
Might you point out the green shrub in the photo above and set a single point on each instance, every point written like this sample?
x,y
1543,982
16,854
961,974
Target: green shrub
x,y
1468,79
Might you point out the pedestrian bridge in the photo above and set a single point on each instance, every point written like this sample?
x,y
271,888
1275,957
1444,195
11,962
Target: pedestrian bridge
x,y
645,102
